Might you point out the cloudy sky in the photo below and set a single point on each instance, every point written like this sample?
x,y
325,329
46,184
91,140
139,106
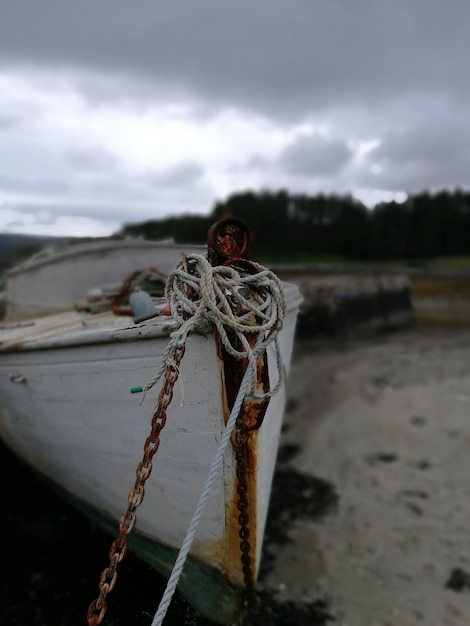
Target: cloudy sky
x,y
114,111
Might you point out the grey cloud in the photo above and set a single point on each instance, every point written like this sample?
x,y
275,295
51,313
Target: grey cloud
x,y
277,57
366,69
90,157
9,120
92,185
69,185
314,156
117,199
46,218
114,211
181,174
67,208
21,184
13,224
429,155
256,162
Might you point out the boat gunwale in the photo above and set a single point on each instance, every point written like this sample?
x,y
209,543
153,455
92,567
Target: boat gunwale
x,y
79,337
80,249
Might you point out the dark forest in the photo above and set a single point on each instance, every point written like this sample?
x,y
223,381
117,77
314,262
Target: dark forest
x,y
290,226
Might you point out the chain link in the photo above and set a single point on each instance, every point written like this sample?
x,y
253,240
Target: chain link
x,y
97,608
241,436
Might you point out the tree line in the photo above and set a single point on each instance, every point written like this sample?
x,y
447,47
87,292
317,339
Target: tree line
x,y
295,226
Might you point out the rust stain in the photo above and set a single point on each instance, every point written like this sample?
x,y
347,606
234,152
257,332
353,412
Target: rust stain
x,y
231,372
232,375
227,239
227,242
233,552
16,347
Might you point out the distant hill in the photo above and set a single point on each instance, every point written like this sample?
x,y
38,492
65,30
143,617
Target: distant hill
x,y
14,248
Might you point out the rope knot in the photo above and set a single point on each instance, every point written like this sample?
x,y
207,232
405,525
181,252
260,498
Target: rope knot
x,y
230,298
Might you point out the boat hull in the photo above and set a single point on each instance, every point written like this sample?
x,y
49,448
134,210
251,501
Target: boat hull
x,y
67,410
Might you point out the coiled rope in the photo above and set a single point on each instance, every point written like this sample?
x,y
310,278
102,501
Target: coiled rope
x,y
235,302
200,295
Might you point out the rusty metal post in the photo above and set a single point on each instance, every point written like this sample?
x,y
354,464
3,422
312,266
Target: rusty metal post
x,y
227,243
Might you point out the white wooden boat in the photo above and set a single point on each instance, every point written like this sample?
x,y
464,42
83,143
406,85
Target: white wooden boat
x,y
67,410
54,278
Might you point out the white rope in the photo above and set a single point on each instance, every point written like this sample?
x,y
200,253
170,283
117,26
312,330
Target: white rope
x,y
233,301
214,472
236,303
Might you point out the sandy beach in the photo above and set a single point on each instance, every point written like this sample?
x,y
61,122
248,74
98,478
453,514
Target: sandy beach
x,y
370,508
386,423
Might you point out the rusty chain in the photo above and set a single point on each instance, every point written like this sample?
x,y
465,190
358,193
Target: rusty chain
x,y
97,608
227,241
241,436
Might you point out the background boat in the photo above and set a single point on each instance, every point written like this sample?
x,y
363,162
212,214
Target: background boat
x,y
52,280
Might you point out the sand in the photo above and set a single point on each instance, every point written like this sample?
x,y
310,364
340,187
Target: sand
x,y
385,422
